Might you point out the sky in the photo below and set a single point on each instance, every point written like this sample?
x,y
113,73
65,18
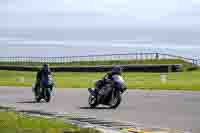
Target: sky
x,y
127,15
100,13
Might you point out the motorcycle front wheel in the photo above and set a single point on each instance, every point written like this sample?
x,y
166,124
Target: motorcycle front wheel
x,y
92,101
115,100
38,99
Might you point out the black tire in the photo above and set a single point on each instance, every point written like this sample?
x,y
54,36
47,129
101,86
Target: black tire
x,y
92,101
47,96
118,99
37,95
37,99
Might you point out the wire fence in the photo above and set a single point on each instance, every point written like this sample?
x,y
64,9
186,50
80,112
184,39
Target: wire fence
x,y
91,58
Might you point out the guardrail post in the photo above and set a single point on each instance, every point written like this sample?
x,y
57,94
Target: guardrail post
x,y
146,56
157,56
193,62
136,56
169,68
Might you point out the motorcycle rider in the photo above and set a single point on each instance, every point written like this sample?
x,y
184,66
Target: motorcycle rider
x,y
42,78
108,78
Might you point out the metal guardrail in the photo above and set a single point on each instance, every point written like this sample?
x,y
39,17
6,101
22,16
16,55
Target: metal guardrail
x,y
102,68
106,57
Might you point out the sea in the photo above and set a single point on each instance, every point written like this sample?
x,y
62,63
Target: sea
x,y
80,42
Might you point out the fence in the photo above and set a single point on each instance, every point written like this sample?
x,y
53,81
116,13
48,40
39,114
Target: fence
x,y
126,68
108,57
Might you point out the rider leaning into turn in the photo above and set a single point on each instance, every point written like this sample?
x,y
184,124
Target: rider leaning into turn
x,y
42,75
107,78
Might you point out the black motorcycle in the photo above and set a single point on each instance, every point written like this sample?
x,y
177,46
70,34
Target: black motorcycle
x,y
44,91
110,94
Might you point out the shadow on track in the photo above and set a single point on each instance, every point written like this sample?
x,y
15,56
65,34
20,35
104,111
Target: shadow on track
x,y
103,108
31,102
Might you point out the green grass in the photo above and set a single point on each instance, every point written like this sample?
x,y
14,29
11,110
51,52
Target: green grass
x,y
187,80
11,122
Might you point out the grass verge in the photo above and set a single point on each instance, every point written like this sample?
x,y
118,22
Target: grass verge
x,y
11,122
187,80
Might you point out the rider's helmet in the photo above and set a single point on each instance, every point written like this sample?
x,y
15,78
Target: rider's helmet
x,y
116,70
45,67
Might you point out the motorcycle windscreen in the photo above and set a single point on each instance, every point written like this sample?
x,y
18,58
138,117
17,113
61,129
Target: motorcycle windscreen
x,y
119,82
118,79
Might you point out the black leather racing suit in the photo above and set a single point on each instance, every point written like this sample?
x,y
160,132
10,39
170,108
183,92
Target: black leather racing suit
x,y
40,74
100,83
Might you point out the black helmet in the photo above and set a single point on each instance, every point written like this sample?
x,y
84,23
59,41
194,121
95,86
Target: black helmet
x,y
116,70
45,67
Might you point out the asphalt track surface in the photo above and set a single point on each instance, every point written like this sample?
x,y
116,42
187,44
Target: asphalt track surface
x,y
166,109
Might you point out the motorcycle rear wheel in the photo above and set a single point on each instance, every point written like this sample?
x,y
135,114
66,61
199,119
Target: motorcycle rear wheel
x,y
47,96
